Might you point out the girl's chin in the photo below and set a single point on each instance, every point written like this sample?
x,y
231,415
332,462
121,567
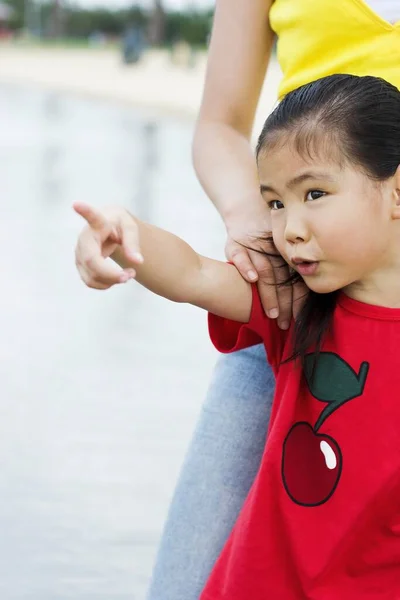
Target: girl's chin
x,y
322,285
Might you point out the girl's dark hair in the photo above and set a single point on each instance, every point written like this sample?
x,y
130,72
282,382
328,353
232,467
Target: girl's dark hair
x,y
353,120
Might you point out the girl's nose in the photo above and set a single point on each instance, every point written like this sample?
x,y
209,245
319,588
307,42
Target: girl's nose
x,y
296,230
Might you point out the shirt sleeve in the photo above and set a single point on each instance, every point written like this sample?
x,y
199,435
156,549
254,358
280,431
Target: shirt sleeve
x,y
230,336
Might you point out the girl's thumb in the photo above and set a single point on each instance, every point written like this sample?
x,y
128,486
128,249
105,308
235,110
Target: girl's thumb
x,y
130,244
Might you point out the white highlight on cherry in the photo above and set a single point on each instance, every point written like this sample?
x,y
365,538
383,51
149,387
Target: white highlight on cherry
x,y
330,456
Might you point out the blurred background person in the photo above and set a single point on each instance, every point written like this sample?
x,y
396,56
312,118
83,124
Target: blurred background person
x,y
133,44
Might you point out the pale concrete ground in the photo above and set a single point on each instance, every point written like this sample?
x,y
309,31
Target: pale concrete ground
x,y
100,391
154,84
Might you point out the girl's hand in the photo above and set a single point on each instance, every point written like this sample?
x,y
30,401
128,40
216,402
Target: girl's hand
x,y
279,302
106,229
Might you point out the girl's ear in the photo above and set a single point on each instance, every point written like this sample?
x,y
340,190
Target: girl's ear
x,y
396,195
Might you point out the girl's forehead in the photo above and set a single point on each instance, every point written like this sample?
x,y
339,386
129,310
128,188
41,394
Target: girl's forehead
x,y
303,145
286,161
285,168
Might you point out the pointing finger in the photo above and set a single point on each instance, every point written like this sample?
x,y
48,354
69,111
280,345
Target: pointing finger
x,y
93,217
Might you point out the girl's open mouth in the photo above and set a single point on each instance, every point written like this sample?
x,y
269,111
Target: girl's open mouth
x,y
306,267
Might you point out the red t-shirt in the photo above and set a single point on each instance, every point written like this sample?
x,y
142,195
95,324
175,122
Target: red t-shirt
x,y
322,519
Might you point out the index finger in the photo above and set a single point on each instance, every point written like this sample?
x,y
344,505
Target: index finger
x,y
284,290
93,217
276,298
266,283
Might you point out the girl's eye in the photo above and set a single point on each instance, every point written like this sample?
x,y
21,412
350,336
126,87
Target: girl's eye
x,y
275,204
315,194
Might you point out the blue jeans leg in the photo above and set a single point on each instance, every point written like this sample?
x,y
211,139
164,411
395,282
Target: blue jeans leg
x,y
219,469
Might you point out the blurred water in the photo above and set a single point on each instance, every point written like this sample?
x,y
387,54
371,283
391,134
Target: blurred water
x,y
100,389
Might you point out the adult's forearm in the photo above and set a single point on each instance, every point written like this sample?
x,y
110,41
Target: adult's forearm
x,y
225,165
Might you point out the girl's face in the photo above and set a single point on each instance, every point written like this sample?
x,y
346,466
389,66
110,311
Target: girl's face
x,y
331,224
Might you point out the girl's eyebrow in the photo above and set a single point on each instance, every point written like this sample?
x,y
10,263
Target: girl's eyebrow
x,y
267,188
300,179
309,175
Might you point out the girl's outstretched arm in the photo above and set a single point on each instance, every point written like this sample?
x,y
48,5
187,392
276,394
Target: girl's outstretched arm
x,y
162,262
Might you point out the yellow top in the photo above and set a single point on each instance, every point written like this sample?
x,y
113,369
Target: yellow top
x,y
317,38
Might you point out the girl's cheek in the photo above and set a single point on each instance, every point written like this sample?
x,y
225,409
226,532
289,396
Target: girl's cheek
x,y
331,229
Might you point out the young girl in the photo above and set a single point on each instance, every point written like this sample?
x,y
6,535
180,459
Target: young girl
x,y
322,518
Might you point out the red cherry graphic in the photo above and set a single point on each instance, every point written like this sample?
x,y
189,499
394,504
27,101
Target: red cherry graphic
x,y
311,465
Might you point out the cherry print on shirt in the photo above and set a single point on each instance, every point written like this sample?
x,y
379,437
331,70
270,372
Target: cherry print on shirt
x,y
312,461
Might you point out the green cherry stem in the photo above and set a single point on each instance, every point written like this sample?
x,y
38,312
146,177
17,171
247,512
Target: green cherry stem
x,y
332,406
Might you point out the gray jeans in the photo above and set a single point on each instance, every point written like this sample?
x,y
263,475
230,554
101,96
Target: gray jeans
x,y
219,469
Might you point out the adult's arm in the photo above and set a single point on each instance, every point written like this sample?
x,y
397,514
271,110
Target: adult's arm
x,y
224,161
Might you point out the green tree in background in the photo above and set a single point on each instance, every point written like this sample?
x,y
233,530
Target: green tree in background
x,y
62,19
17,20
192,27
